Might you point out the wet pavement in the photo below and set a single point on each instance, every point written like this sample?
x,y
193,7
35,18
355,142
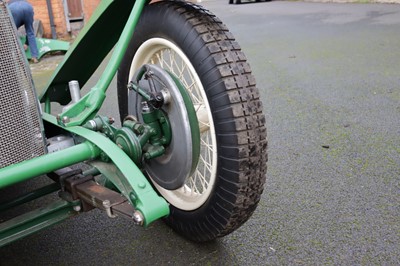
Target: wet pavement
x,y
43,70
329,76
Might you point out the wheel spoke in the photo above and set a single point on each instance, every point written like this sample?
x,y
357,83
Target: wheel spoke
x,y
205,144
202,117
198,186
196,98
201,182
207,165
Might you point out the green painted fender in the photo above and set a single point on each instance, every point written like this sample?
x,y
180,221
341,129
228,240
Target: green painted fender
x,y
46,46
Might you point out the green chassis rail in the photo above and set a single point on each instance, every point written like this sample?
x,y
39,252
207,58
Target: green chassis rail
x,y
106,157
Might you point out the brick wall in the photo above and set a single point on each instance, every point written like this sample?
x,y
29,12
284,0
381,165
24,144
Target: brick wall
x,y
41,13
89,6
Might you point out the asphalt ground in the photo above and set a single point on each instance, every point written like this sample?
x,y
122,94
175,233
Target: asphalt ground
x,y
329,76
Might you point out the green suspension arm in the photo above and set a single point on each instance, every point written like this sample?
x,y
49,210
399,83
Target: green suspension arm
x,y
92,45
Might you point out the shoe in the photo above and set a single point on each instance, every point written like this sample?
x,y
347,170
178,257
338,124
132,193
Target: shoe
x,y
34,60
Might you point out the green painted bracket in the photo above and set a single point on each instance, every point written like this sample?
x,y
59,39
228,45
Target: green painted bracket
x,y
124,174
92,45
46,46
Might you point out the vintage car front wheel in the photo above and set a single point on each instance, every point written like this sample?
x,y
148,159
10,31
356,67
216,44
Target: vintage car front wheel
x,y
225,179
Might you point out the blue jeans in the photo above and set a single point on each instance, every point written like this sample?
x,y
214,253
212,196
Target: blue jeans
x,y
22,13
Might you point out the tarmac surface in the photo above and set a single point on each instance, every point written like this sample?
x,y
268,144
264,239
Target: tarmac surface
x,y
329,76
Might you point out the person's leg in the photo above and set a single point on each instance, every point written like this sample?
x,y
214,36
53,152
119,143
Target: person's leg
x,y
30,34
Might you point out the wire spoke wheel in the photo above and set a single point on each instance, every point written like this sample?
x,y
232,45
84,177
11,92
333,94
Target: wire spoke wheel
x,y
224,185
168,56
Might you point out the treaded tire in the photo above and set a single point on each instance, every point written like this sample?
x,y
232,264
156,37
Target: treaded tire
x,y
236,112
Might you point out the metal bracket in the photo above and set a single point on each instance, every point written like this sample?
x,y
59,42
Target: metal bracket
x,y
124,174
71,185
108,200
60,175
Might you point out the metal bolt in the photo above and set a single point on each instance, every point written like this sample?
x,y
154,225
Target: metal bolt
x,y
166,96
138,218
107,206
145,107
65,119
148,74
138,129
77,208
91,124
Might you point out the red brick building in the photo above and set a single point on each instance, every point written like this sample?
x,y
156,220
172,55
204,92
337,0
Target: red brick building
x,y
66,16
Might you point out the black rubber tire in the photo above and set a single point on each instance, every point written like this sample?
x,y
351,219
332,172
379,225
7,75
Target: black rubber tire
x,y
236,109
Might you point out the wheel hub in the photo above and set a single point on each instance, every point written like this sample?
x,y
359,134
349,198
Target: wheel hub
x,y
181,156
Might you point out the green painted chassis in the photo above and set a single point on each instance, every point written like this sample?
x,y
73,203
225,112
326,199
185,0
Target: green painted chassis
x,y
111,26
